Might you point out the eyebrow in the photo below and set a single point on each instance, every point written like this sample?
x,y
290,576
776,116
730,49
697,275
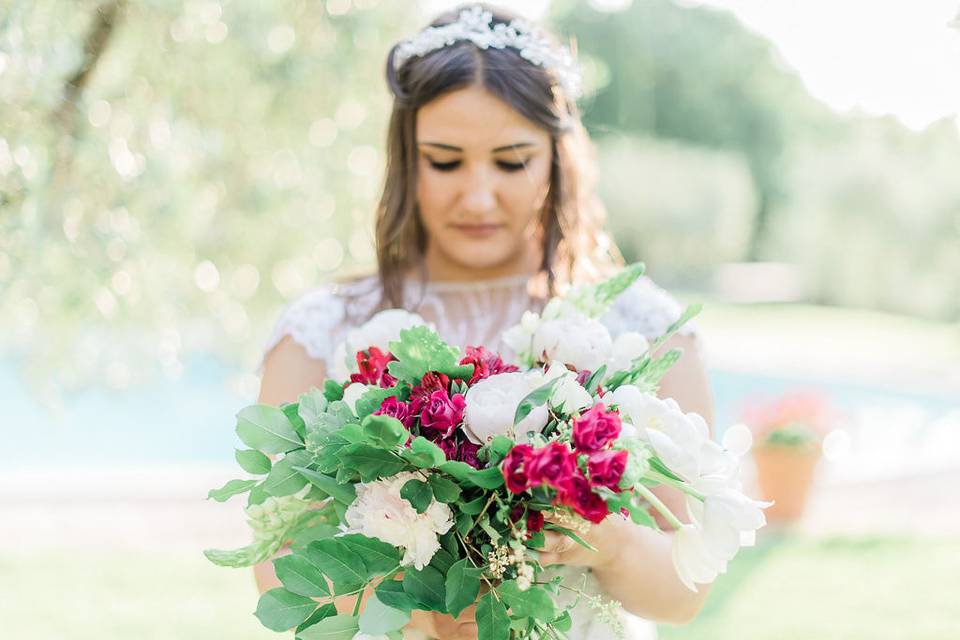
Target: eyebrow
x,y
450,147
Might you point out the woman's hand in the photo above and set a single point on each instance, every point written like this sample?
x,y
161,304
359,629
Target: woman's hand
x,y
560,549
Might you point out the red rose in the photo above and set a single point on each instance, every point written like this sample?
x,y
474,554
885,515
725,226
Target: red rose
x,y
467,452
420,394
534,521
441,414
580,496
595,429
553,464
373,368
396,409
606,468
448,446
485,364
514,468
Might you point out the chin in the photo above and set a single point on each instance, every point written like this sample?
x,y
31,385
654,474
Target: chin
x,y
480,254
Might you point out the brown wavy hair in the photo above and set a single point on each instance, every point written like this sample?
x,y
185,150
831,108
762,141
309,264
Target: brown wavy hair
x,y
571,221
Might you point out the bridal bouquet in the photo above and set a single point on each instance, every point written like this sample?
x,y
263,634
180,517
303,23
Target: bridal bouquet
x,y
429,476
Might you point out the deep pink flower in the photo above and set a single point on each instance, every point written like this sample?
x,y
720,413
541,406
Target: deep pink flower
x,y
535,521
373,368
420,394
514,468
485,364
595,429
580,496
467,452
607,467
441,414
396,409
448,446
553,464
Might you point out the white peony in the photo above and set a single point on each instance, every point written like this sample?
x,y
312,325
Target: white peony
x,y
628,346
569,395
353,392
575,339
379,512
693,559
492,404
379,331
519,338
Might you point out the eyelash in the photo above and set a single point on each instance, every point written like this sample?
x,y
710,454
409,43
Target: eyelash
x,y
509,167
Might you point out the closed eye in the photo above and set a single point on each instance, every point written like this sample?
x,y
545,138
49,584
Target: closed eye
x,y
445,166
511,166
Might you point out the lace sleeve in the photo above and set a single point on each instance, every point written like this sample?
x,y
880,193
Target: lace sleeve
x,y
646,309
312,321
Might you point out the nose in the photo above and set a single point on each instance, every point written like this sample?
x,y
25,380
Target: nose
x,y
480,192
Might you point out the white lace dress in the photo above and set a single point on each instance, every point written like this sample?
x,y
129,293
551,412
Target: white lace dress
x,y
474,313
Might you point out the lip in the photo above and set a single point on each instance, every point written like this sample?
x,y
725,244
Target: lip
x,y
478,230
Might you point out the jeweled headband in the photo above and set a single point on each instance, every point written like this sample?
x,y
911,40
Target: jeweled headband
x,y
475,24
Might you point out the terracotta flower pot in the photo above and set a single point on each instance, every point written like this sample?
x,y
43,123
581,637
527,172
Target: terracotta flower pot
x,y
784,474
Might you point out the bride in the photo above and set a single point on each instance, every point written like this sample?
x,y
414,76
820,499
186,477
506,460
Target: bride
x,y
487,209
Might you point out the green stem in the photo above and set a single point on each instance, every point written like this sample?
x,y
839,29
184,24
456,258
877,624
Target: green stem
x,y
659,506
656,476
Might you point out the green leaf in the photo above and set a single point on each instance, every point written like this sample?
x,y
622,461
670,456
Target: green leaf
x,y
420,350
284,479
564,622
252,461
492,620
659,367
301,576
459,470
344,567
475,506
534,602
345,493
463,523
267,429
423,454
291,410
279,609
392,594
243,557
491,478
372,398
338,627
332,390
385,431
534,399
378,556
232,488
595,300
369,462
444,490
305,536
257,495
418,493
442,560
311,405
426,586
325,611
497,449
462,586
378,619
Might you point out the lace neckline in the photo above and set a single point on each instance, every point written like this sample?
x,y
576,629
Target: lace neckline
x,y
485,284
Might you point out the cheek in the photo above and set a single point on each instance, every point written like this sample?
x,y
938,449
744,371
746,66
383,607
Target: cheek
x,y
524,193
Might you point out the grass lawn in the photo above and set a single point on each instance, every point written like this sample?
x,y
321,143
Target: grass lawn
x,y
787,588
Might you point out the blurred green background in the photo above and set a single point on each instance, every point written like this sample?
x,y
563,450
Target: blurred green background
x,y
173,172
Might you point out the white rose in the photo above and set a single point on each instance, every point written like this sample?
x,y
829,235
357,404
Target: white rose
x,y
492,404
379,331
569,395
353,392
578,340
519,338
379,512
626,348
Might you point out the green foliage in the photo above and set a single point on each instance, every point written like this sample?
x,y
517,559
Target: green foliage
x,y
230,489
426,586
385,431
267,429
369,462
462,586
344,493
444,490
492,620
284,478
280,609
301,576
337,627
379,558
536,398
335,559
378,618
418,493
533,602
252,461
424,454
420,350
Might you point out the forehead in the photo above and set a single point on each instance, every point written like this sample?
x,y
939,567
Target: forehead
x,y
473,118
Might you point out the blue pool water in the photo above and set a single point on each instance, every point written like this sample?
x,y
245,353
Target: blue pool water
x,y
191,419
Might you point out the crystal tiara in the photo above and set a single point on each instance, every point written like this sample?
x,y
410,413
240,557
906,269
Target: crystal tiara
x,y
474,24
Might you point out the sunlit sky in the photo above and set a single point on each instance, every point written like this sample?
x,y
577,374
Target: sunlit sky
x,y
896,57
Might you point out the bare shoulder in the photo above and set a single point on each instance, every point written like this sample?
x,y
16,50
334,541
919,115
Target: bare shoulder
x,y
288,371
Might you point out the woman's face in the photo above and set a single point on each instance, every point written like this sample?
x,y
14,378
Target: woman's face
x,y
483,171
